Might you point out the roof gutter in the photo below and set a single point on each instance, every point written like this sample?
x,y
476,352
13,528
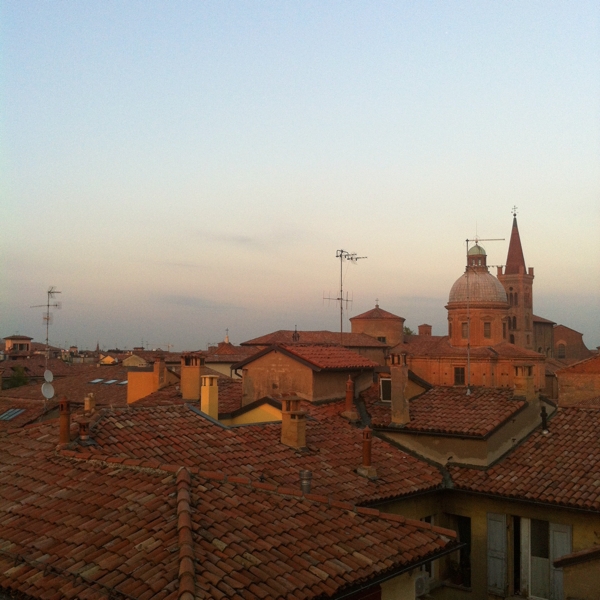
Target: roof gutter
x,y
390,575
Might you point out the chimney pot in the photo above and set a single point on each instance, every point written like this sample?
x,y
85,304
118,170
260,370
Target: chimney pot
x,y
64,436
84,430
293,424
367,469
305,481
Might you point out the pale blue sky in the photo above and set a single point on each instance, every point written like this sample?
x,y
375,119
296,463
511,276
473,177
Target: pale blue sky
x,y
179,168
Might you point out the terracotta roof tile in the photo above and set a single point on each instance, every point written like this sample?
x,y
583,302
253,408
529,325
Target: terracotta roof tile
x,y
449,410
378,313
285,336
560,468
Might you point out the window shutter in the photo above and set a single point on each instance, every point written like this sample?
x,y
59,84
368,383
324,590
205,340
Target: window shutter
x,y
496,553
560,544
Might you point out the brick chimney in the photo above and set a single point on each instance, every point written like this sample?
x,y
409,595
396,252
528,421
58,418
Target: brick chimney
x,y
349,409
209,395
424,329
160,372
293,423
367,469
64,436
191,365
523,382
400,400
84,430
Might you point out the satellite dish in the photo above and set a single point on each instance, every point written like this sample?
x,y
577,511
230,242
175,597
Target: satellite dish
x,y
47,390
48,376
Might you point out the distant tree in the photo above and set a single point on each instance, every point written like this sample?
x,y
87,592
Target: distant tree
x,y
17,379
408,331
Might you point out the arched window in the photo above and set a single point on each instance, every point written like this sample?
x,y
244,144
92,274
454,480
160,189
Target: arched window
x,y
450,329
516,299
514,322
562,351
510,298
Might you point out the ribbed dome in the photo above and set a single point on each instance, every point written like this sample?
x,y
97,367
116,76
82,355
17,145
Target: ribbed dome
x,y
482,287
477,250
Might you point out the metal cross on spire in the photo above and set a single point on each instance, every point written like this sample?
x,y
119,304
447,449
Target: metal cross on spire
x,y
514,211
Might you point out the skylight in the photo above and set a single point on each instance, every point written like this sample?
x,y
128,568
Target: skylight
x,y
122,382
11,413
110,381
97,380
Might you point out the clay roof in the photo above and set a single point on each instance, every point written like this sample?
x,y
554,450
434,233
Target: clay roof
x,y
230,394
587,365
75,527
77,385
377,313
15,412
316,357
36,365
283,336
179,433
438,346
226,352
561,468
17,337
515,258
537,319
448,410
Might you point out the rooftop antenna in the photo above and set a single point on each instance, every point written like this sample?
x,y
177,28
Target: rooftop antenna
x,y
169,346
469,268
47,316
351,257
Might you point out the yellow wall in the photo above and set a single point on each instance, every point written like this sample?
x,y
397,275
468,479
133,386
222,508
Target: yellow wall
x,y
139,385
261,414
582,581
400,588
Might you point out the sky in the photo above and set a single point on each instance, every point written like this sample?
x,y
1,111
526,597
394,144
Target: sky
x,y
178,170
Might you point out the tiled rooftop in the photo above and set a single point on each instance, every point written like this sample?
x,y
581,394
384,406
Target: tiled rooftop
x,y
331,357
434,345
588,365
71,527
15,413
76,385
377,313
36,365
562,467
285,336
449,410
178,434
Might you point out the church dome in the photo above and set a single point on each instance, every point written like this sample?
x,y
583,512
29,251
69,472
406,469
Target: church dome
x,y
480,286
477,250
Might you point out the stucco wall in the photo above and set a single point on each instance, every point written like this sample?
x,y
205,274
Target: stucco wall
x,y
582,581
275,374
573,388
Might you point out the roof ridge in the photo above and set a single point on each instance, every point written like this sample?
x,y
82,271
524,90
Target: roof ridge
x,y
184,475
187,573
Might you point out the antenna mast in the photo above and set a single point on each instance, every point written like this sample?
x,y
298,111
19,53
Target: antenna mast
x,y
47,316
344,255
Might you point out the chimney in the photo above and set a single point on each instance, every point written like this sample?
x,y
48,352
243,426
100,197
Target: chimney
x,y
424,329
293,423
305,481
64,436
191,366
367,469
160,379
84,430
349,410
209,396
400,401
523,382
89,403
544,416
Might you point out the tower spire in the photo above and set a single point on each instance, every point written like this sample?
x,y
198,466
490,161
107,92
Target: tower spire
x,y
515,259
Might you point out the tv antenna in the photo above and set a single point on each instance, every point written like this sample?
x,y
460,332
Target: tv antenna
x,y
472,268
47,316
351,257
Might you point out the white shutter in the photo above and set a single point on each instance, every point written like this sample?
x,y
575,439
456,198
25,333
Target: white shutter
x,y
560,545
496,553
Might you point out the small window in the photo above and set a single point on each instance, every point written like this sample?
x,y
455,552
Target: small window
x,y
562,351
514,322
459,376
516,299
97,380
382,339
11,413
385,388
512,338
465,330
504,330
487,330
450,329
110,381
122,382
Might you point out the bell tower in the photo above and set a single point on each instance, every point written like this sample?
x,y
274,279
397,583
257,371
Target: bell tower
x,y
518,284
